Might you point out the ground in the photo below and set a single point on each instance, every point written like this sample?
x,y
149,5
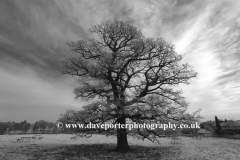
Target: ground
x,y
62,147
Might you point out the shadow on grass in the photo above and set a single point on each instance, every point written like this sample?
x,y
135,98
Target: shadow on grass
x,y
106,152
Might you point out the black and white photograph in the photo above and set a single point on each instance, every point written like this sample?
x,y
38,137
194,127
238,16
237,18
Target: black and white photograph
x,y
119,79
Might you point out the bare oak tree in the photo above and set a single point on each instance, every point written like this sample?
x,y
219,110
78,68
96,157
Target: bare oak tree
x,y
134,77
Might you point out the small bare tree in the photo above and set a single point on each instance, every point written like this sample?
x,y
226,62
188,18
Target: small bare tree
x,y
134,77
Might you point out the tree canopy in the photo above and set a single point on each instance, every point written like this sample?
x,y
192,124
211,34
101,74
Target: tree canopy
x,y
134,78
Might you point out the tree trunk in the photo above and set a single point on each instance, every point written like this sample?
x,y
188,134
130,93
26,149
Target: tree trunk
x,y
122,143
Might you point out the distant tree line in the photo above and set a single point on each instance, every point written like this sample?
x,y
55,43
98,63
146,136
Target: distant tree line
x,y
209,125
216,128
43,125
23,127
13,126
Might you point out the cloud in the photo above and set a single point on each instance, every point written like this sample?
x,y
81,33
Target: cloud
x,y
33,36
213,53
24,94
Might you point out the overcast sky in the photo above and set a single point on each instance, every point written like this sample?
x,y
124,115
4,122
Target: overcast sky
x,y
33,36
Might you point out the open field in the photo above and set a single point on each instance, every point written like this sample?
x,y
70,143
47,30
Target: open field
x,y
62,147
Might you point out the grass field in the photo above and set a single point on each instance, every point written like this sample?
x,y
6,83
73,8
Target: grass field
x,y
98,147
